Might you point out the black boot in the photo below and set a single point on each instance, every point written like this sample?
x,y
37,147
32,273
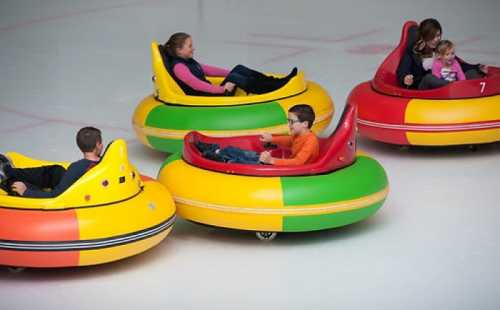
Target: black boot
x,y
287,78
291,74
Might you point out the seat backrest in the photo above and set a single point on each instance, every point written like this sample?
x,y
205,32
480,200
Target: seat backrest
x,y
412,35
386,73
164,83
340,146
326,143
111,180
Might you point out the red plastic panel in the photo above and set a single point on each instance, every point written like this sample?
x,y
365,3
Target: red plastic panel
x,y
28,225
384,135
39,259
375,107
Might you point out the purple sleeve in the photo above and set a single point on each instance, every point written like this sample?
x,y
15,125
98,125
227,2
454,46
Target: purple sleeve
x,y
458,69
436,68
214,71
182,72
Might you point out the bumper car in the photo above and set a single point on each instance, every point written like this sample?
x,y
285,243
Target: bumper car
x,y
110,213
338,189
460,113
162,119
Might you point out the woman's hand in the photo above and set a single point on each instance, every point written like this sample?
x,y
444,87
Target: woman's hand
x,y
266,137
229,86
408,80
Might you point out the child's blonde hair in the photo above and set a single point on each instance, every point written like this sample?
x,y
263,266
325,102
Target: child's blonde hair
x,y
444,46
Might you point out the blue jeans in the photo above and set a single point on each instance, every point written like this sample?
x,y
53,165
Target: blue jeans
x,y
229,154
236,155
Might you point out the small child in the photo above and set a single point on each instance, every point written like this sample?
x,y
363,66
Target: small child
x,y
446,66
302,142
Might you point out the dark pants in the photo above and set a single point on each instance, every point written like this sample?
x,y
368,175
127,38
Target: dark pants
x,y
252,81
430,81
474,74
37,177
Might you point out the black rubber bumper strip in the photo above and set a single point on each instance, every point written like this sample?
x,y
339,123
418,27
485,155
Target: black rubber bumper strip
x,y
92,244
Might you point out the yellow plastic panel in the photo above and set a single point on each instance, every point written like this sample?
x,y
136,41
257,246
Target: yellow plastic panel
x,y
245,221
458,111
226,200
319,100
140,115
153,206
453,138
192,183
93,257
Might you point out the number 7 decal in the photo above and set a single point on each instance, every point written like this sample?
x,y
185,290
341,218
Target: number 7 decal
x,y
483,86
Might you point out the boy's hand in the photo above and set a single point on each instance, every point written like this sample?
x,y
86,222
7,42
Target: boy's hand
x,y
18,187
266,137
266,158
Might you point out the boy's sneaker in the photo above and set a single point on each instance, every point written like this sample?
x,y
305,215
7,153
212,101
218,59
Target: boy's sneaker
x,y
4,161
206,147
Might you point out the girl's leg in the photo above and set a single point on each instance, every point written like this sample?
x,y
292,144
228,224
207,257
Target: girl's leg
x,y
241,80
250,73
255,82
243,77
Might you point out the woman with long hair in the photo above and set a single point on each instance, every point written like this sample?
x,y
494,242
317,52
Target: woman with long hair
x,y
414,70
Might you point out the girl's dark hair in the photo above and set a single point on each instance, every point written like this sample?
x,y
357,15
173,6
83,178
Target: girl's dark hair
x,y
174,42
87,138
427,30
304,113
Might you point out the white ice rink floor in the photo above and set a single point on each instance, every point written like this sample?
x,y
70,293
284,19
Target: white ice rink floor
x,y
433,245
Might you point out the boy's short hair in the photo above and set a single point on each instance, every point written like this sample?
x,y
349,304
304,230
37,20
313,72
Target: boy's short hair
x,y
87,138
443,46
304,113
